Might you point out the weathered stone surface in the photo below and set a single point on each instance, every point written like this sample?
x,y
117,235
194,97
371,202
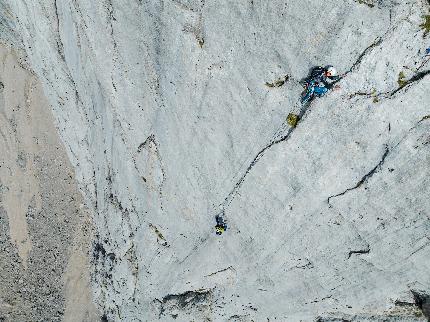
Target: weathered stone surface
x,y
164,110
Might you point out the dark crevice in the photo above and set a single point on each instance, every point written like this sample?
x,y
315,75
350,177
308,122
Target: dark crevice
x,y
259,155
187,297
381,162
360,58
367,95
150,139
59,42
220,271
321,319
96,194
185,301
408,311
424,118
160,238
422,301
370,4
113,199
366,177
111,15
417,77
98,250
358,252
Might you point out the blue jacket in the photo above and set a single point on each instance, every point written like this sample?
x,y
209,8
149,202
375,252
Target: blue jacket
x,y
318,75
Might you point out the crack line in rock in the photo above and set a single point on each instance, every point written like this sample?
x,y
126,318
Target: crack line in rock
x,y
59,41
424,118
359,252
380,163
360,58
418,76
220,271
260,154
366,177
420,248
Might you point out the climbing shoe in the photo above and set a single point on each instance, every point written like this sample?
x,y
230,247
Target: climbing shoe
x,y
219,229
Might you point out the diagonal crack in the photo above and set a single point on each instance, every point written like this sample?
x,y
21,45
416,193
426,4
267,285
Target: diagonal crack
x,y
227,201
417,77
360,58
58,40
366,177
359,252
424,118
220,271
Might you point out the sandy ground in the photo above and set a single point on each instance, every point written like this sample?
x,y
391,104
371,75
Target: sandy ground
x,y
45,231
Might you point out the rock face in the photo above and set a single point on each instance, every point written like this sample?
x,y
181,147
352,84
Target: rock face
x,y
175,111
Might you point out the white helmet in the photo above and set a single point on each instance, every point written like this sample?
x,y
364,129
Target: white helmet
x,y
331,71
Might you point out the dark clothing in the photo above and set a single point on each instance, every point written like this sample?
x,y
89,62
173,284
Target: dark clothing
x,y
221,225
317,75
317,83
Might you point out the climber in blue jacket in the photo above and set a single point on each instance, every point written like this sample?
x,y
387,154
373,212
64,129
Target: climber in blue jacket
x,y
319,82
